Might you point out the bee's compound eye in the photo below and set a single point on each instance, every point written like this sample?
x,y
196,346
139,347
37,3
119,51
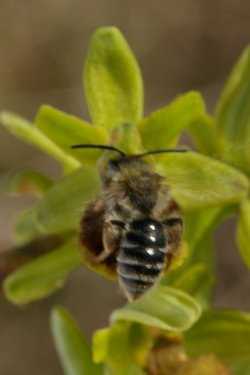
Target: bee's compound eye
x,y
113,165
171,222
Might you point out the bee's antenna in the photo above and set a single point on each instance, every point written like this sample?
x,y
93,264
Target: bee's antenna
x,y
160,151
104,147
112,148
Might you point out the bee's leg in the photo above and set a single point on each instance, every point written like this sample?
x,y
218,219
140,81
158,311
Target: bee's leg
x,y
173,230
92,229
111,239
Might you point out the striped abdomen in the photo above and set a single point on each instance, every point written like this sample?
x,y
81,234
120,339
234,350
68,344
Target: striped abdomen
x,y
141,257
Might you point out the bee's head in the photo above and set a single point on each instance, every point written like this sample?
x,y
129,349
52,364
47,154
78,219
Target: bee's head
x,y
116,167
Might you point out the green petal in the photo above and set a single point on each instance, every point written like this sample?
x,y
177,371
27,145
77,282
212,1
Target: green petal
x,y
29,182
243,232
112,80
163,307
72,347
233,115
198,181
66,130
223,333
162,128
24,130
62,207
42,276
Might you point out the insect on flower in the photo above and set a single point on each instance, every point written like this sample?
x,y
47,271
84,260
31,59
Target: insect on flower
x,y
134,227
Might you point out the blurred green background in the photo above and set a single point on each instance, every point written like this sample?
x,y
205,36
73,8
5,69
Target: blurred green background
x,y
181,45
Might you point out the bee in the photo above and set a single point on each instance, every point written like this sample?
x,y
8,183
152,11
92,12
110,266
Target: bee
x,y
134,227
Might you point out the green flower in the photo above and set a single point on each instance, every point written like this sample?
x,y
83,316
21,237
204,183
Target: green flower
x,y
209,185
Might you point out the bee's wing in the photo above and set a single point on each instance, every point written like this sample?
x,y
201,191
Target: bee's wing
x,y
197,181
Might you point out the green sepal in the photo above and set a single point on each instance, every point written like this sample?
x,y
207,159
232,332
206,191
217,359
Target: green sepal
x,y
125,369
201,247
72,347
162,307
112,80
62,207
127,139
198,182
29,182
196,281
42,276
243,231
202,131
26,227
162,128
100,345
122,345
24,130
66,130
233,115
123,341
195,275
205,222
223,333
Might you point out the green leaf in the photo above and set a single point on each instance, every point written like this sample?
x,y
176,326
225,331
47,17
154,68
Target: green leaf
x,y
202,131
162,307
62,207
243,232
233,115
29,182
42,276
112,80
66,130
24,130
223,333
198,182
72,347
162,128
26,227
